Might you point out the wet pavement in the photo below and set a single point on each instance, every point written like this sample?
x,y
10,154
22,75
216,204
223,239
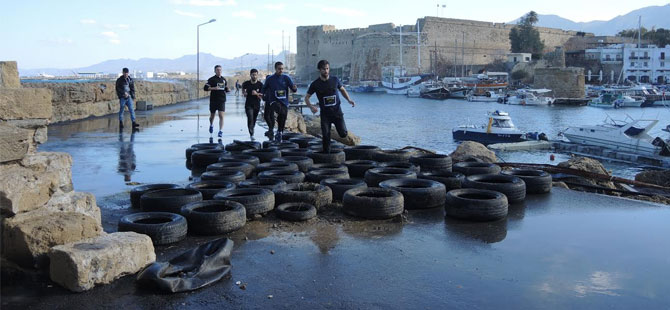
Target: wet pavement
x,y
563,250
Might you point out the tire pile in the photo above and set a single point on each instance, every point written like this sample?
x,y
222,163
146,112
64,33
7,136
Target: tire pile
x,y
296,178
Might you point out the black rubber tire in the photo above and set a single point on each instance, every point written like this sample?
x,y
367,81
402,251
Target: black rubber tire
x,y
373,203
249,159
303,142
204,158
161,227
340,186
315,176
280,145
267,183
239,146
432,162
265,155
311,193
273,165
214,217
471,168
222,175
333,157
476,204
393,155
254,200
537,181
295,152
287,135
304,163
295,211
418,193
289,176
201,146
209,188
168,200
376,175
358,167
246,168
138,191
340,167
333,147
513,187
451,180
361,152
401,165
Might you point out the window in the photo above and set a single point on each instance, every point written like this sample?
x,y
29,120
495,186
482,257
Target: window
x,y
607,57
662,63
632,54
646,54
632,64
645,64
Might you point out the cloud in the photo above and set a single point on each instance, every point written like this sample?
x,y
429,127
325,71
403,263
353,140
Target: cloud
x,y
287,21
343,11
275,7
244,14
110,34
115,41
206,2
189,14
87,21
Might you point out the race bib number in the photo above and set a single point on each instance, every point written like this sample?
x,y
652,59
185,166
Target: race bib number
x,y
220,85
330,101
280,94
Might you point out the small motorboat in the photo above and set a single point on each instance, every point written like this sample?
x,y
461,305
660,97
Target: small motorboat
x,y
499,129
486,96
528,97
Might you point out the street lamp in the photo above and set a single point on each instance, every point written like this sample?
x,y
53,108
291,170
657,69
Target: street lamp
x,y
197,70
242,61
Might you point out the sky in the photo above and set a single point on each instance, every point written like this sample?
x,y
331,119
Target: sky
x,y
74,33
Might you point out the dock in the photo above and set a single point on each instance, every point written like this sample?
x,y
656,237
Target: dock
x,y
571,101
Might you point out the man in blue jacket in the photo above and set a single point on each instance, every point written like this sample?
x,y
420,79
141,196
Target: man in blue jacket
x,y
275,91
125,90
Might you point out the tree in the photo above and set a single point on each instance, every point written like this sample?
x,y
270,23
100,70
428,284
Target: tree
x,y
659,37
524,38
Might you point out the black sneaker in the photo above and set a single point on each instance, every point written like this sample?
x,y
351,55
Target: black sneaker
x,y
121,124
278,136
135,125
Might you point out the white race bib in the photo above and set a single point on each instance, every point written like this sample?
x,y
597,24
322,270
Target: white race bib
x,y
329,101
280,94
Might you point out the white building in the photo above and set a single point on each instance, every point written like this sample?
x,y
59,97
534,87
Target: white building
x,y
519,57
611,54
646,64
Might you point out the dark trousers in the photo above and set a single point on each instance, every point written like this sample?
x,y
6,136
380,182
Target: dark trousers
x,y
252,114
281,110
326,122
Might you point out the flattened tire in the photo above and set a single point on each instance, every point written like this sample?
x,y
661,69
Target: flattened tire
x,y
311,193
273,165
223,175
393,155
332,157
340,167
138,191
358,167
214,217
401,165
340,186
304,163
249,159
476,204
513,187
245,168
254,200
361,152
161,227
303,142
432,162
373,203
201,146
240,146
376,175
267,183
537,181
264,155
418,193
168,200
451,180
471,168
296,152
315,176
289,176
204,158
209,188
295,211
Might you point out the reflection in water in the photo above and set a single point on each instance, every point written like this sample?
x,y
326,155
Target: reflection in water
x,y
126,156
325,237
600,282
372,229
488,232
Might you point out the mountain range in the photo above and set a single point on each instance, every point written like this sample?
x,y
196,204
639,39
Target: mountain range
x,y
652,17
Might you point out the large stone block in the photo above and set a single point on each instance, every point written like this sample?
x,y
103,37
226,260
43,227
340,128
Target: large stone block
x,y
81,265
14,142
79,202
313,127
473,150
9,75
27,237
57,162
25,103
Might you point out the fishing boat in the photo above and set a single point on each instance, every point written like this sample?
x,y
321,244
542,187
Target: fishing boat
x,y
396,82
528,97
610,100
476,95
499,129
435,92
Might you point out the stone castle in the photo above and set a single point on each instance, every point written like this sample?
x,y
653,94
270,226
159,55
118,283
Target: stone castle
x,y
360,53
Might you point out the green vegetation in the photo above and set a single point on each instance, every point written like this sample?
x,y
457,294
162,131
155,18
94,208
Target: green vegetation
x,y
660,37
525,38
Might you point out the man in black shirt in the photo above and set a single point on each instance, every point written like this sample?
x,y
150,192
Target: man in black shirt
x,y
326,88
218,85
252,91
125,90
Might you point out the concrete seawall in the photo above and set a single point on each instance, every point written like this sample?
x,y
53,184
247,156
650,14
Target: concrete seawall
x,y
73,101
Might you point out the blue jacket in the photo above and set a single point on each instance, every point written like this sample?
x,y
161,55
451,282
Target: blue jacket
x,y
276,88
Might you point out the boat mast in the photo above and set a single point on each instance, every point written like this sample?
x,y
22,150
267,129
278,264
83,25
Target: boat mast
x,y
401,50
463,56
418,46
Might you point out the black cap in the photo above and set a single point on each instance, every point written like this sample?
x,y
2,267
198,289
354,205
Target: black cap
x,y
125,70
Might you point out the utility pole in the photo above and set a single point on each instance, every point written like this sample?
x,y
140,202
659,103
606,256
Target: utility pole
x,y
455,55
401,50
289,54
418,46
463,56
268,57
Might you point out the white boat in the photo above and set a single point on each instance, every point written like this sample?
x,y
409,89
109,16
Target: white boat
x,y
395,82
487,96
630,135
528,97
500,129
415,90
609,100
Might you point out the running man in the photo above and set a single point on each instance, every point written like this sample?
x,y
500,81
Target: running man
x,y
125,90
237,88
218,86
276,89
326,88
252,91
